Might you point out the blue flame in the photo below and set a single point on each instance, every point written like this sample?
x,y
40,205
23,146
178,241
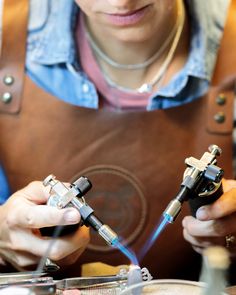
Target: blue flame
x,y
160,227
155,234
127,252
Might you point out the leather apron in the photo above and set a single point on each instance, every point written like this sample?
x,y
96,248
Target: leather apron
x,y
135,160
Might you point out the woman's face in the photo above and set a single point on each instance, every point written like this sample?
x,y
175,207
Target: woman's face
x,y
126,20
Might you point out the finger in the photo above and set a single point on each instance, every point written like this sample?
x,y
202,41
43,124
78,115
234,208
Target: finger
x,y
66,245
34,191
225,205
215,228
203,242
19,259
196,227
228,184
25,241
38,216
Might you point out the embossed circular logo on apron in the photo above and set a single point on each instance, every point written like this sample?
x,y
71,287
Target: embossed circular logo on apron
x,y
117,198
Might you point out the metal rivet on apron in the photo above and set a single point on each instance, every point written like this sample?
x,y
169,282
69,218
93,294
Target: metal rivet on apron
x,y
219,117
221,99
6,97
8,80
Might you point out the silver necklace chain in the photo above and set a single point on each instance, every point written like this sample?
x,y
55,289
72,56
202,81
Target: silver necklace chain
x,y
117,65
148,87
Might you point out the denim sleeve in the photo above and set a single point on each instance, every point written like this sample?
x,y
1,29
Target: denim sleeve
x,y
4,186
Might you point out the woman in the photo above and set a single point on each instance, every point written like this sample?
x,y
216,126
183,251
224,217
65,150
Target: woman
x,y
125,57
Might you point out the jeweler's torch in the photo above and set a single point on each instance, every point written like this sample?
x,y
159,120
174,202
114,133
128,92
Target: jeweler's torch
x,y
62,196
201,184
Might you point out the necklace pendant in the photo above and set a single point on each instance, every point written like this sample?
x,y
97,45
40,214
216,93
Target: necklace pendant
x,y
145,88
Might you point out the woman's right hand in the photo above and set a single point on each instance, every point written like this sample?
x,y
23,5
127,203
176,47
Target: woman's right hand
x,y
21,217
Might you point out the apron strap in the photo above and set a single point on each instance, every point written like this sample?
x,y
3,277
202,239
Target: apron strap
x,y
222,92
13,50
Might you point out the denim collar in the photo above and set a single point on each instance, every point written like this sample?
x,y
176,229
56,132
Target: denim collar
x,y
52,41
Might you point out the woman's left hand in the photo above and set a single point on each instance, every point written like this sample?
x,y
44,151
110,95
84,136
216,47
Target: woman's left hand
x,y
214,224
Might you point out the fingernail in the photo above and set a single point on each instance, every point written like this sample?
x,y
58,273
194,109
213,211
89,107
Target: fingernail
x,y
71,216
202,213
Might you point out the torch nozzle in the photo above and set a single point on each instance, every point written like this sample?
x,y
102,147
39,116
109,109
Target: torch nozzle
x,y
108,235
103,230
172,210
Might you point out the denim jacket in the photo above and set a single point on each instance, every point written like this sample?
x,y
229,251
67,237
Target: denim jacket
x,y
51,51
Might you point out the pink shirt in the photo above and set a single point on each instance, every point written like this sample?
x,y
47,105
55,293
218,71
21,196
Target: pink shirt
x,y
112,97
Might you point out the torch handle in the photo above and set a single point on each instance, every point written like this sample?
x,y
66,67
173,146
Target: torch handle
x,y
200,201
